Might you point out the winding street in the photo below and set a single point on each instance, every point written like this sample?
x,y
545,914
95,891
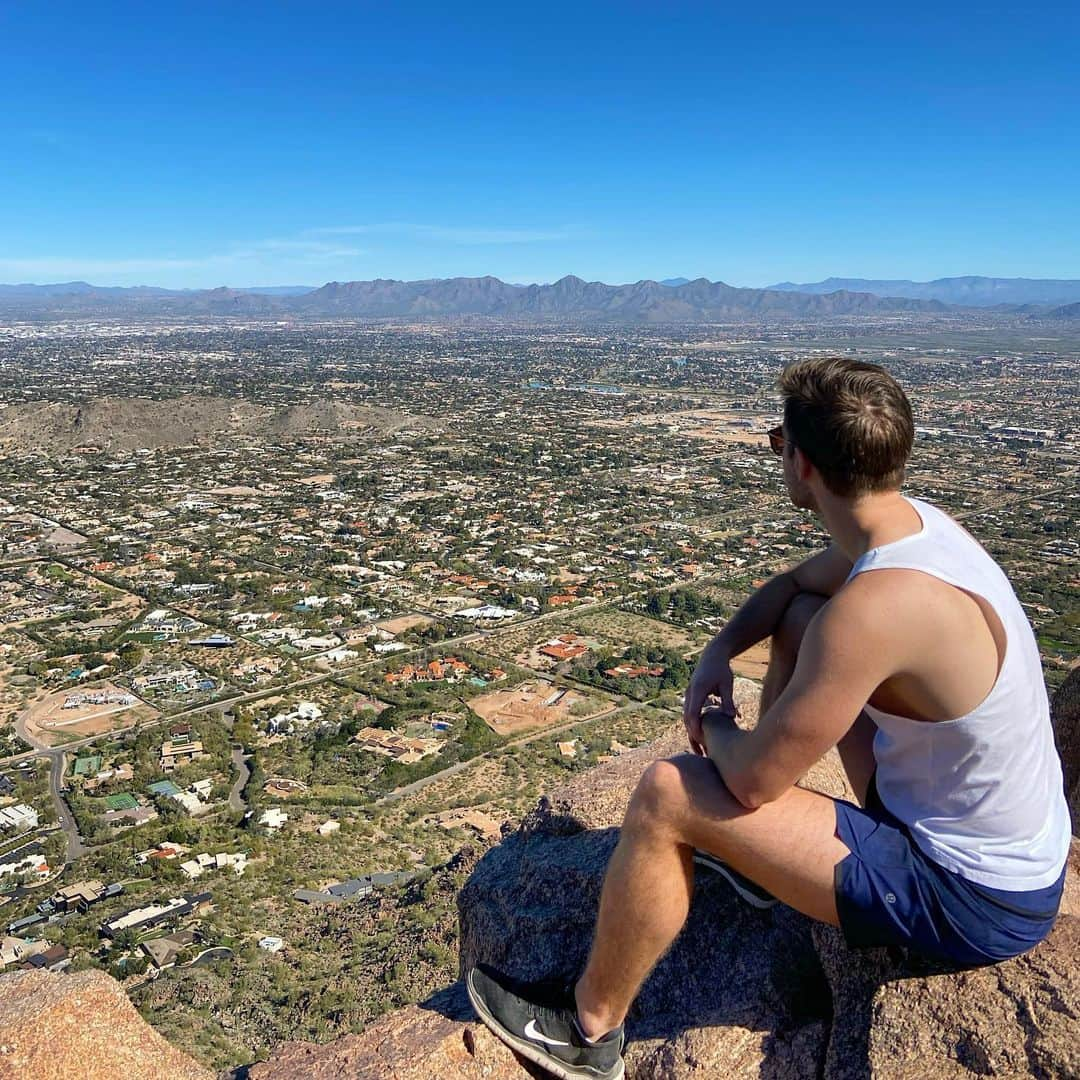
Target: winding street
x,y
75,848
243,771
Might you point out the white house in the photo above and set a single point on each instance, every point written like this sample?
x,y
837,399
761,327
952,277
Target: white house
x,y
273,818
486,611
302,716
18,818
202,788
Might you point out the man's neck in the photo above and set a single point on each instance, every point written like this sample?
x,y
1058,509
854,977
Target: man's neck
x,y
857,525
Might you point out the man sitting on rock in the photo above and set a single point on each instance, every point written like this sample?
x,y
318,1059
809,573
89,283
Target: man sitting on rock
x,y
903,645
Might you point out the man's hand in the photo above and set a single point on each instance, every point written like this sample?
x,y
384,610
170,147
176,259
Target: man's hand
x,y
712,677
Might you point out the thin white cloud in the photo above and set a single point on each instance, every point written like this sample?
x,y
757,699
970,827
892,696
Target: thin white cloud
x,y
447,234
79,266
311,248
283,252
307,250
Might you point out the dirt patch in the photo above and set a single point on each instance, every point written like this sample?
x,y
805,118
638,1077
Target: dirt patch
x,y
403,623
239,490
745,438
280,787
754,662
84,711
717,425
61,537
528,706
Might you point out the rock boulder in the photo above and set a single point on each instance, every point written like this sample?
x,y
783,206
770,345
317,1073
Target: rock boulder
x,y
408,1044
81,1027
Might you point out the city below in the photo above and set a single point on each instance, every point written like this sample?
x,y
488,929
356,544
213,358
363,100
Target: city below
x,y
297,608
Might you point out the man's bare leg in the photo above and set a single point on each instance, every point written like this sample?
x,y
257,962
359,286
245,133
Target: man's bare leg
x,y
643,906
784,646
649,882
856,748
857,753
788,846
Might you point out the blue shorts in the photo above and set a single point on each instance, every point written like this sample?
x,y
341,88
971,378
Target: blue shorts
x,y
888,892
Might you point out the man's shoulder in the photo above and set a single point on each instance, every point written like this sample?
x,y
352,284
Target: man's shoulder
x,y
853,642
889,602
896,581
896,609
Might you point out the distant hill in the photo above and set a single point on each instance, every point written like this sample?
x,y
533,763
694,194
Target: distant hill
x,y
121,425
568,298
966,291
1068,311
81,288
121,293
571,297
279,290
673,281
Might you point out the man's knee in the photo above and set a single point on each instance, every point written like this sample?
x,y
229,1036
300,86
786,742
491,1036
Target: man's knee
x,y
787,638
664,792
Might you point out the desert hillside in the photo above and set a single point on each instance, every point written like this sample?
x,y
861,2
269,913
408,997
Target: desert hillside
x,y
121,425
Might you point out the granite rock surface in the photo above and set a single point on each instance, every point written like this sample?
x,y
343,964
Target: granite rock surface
x,y
56,1026
1065,712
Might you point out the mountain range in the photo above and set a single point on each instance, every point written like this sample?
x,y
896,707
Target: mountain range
x,y
675,300
569,297
965,291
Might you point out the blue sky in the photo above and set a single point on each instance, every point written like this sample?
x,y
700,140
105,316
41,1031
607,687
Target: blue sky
x,y
206,144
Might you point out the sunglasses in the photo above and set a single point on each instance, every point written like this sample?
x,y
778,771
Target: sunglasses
x,y
776,439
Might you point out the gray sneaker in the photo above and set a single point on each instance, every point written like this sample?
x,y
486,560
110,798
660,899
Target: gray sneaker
x,y
542,1026
750,891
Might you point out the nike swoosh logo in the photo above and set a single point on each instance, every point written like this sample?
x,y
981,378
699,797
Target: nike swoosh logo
x,y
533,1032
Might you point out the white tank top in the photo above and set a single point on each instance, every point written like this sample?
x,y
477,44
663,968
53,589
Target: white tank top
x,y
983,794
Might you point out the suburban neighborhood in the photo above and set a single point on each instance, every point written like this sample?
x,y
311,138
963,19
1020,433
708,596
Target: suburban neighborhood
x,y
255,678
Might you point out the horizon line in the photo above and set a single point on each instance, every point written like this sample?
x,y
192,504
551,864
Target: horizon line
x,y
679,279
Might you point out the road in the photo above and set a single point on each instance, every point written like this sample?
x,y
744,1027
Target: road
x,y
24,734
75,847
243,771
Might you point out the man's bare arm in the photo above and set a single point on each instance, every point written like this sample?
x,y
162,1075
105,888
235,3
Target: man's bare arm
x,y
823,573
847,652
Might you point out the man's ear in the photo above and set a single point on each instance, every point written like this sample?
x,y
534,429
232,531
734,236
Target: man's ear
x,y
804,467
